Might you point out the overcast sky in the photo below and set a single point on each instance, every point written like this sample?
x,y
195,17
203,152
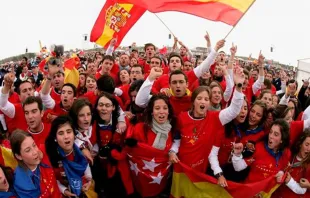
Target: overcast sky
x,y
279,23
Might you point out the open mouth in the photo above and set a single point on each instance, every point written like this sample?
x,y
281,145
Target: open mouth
x,y
67,143
178,90
31,122
134,79
202,107
65,100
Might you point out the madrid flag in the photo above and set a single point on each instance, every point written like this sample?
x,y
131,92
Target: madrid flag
x,y
114,21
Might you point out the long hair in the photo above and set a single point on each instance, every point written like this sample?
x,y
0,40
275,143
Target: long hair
x,y
17,138
115,112
285,133
297,146
77,105
9,175
51,144
148,113
261,104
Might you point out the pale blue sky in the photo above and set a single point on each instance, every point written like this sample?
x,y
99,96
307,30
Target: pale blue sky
x,y
281,23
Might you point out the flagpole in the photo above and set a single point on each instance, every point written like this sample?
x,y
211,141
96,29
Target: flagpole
x,y
239,20
164,24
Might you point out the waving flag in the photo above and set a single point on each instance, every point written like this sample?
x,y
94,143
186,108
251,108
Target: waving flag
x,y
115,20
150,168
7,158
187,182
227,11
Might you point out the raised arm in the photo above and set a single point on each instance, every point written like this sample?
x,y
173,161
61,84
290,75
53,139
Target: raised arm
x,y
143,95
229,84
260,81
205,65
47,100
111,47
231,112
233,51
5,106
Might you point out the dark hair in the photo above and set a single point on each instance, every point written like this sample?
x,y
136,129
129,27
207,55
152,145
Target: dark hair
x,y
106,84
280,111
135,86
107,57
198,90
115,113
33,99
20,83
51,144
214,84
285,133
297,146
266,91
77,105
119,73
267,83
261,104
140,66
246,72
297,109
157,57
278,98
148,45
177,72
24,57
292,81
72,87
173,54
17,138
9,174
148,113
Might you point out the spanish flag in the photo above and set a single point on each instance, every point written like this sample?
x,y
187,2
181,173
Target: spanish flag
x,y
70,70
226,11
7,158
115,20
188,183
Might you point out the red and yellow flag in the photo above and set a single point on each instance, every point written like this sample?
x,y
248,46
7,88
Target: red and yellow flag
x,y
187,183
115,20
226,11
7,158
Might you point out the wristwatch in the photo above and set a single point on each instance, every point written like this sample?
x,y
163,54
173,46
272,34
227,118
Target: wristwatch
x,y
219,175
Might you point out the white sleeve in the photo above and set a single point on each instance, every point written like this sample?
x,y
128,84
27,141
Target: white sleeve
x,y
238,163
306,124
175,146
48,101
78,142
95,148
61,187
87,173
295,187
284,100
121,117
258,84
283,88
118,92
143,95
205,65
306,114
229,88
231,112
231,74
214,160
109,51
5,106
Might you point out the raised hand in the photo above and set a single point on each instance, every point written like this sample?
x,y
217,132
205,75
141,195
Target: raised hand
x,y
233,49
239,76
113,42
52,70
155,73
238,148
261,59
8,80
219,45
207,37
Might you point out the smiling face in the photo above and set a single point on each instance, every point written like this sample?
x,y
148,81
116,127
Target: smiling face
x,y
256,115
91,84
201,104
160,111
267,99
243,113
216,95
105,108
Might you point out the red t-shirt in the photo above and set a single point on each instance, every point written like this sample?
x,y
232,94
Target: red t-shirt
x,y
40,137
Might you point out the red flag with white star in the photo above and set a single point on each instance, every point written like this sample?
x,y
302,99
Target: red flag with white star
x,y
149,168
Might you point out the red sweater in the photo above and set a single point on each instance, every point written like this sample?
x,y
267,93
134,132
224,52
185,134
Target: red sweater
x,y
18,118
198,137
264,164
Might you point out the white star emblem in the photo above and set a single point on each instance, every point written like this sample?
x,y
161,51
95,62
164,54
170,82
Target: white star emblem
x,y
157,180
151,165
134,167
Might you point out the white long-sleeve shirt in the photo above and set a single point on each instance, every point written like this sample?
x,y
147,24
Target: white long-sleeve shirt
x,y
229,88
258,84
6,107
